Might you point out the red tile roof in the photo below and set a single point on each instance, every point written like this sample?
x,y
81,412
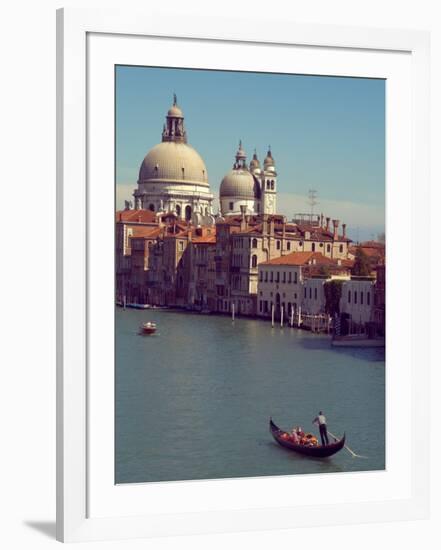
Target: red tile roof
x,y
301,258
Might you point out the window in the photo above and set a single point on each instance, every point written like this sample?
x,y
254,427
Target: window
x,y
289,277
305,291
368,298
266,276
341,249
361,297
260,306
295,277
278,245
288,245
231,206
268,184
254,243
254,261
349,296
284,277
272,184
315,293
310,293
277,277
152,207
355,296
271,276
181,246
261,276
178,210
313,247
328,248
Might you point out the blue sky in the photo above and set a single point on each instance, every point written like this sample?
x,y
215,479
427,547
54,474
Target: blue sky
x,y
325,133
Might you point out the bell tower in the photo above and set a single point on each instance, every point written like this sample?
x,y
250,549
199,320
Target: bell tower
x,y
269,184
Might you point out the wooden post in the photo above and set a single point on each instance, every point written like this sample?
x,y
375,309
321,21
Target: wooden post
x,y
272,315
232,311
124,301
281,316
292,317
299,321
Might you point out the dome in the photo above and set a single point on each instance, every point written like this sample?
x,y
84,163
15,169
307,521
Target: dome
x,y
269,161
175,162
254,164
175,112
240,184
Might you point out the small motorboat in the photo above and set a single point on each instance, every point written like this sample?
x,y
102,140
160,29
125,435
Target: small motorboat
x,y
319,451
148,328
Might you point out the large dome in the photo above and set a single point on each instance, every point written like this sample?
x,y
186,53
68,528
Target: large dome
x,y
239,184
174,162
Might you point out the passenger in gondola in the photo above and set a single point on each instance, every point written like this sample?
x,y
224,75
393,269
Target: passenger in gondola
x,y
294,436
321,421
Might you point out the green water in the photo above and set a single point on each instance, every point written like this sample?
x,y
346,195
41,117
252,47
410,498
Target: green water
x,y
193,400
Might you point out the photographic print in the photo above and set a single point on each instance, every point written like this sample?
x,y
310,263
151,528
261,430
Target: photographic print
x,y
249,274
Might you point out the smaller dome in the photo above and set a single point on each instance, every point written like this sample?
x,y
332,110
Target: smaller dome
x,y
175,112
269,161
239,184
254,164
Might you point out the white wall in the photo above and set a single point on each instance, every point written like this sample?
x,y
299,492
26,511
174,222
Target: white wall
x,y
27,404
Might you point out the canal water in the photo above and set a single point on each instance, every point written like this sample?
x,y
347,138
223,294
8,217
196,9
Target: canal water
x,y
193,401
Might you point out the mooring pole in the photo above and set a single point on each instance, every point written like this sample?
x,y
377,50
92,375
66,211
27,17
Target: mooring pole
x,y
299,322
292,317
272,315
281,316
232,311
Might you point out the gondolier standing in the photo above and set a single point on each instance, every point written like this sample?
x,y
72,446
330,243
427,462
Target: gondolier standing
x,y
321,421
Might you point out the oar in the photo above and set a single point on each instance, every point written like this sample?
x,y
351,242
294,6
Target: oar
x,y
355,455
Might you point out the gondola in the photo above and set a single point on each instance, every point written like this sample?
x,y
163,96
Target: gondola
x,y
321,451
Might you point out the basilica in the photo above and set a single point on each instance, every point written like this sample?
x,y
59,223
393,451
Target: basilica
x,y
173,178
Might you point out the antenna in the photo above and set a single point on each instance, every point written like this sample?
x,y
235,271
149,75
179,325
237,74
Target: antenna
x,y
312,199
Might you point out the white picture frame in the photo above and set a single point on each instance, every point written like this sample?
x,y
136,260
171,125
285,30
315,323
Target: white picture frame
x,y
84,433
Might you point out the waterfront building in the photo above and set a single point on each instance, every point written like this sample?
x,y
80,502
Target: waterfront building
x,y
357,301
246,241
295,282
249,188
131,224
173,176
379,313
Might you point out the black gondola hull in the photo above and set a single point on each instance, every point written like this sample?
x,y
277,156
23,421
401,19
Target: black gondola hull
x,y
321,451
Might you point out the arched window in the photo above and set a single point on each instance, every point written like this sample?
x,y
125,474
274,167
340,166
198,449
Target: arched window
x,y
272,184
278,245
313,247
254,243
188,213
152,207
231,206
178,210
254,260
268,184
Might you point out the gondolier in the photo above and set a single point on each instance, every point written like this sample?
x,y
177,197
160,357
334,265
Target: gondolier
x,y
321,421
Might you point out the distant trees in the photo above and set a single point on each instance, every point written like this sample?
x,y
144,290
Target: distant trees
x,y
362,264
333,291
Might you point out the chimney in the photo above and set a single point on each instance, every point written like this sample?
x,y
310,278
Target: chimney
x,y
327,224
335,224
265,224
344,230
271,227
243,221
